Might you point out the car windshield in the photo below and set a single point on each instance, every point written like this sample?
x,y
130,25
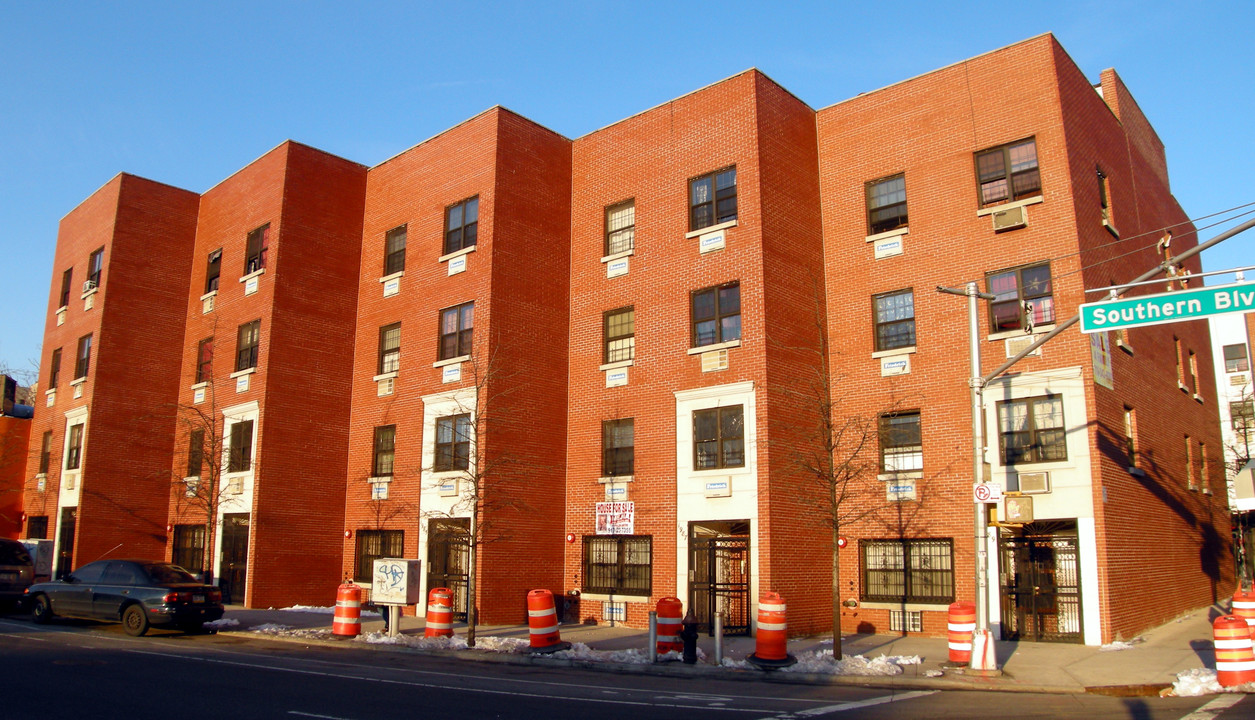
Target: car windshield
x,y
14,554
167,574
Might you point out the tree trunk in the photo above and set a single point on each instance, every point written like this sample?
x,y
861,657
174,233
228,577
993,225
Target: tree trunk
x,y
472,560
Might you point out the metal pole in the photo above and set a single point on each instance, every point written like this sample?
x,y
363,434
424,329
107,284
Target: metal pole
x,y
976,385
653,636
719,638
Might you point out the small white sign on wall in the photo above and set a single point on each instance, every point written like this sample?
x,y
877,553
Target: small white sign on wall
x,y
615,268
457,265
895,365
241,383
616,492
392,287
250,285
888,247
712,241
451,373
719,488
616,377
198,396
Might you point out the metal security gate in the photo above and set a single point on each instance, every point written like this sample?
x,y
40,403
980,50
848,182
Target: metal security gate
x,y
719,576
233,575
1040,577
448,558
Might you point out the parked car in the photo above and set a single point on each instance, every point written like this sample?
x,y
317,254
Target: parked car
x,y
17,572
137,593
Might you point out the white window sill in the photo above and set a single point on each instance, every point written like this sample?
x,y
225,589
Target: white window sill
x,y
255,273
242,373
451,361
715,346
1180,386
887,234
1007,206
457,253
50,391
901,475
89,293
1198,398
385,376
618,255
615,479
61,310
602,597
237,475
41,476
77,381
394,276
441,476
208,295
200,385
1124,346
1111,228
710,229
719,472
616,365
380,479
896,351
1038,330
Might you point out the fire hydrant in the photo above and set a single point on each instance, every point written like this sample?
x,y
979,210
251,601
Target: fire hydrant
x,y
688,635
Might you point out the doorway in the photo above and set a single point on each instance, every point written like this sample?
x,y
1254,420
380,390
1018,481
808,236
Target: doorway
x,y
1040,579
234,571
719,575
448,558
65,541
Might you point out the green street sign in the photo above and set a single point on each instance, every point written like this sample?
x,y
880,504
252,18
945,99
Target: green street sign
x,y
1170,307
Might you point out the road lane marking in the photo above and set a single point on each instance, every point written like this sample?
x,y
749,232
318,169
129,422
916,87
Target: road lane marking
x,y
1213,709
313,715
855,705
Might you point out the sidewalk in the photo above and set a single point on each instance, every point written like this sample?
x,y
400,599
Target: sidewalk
x,y
1145,666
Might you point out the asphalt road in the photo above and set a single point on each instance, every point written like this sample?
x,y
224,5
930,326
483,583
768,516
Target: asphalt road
x,y
88,670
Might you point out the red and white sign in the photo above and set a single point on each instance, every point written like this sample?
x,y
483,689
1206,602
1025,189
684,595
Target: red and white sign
x,y
841,542
986,492
616,518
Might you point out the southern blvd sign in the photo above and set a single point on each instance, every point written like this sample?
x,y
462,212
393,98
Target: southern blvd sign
x,y
1167,307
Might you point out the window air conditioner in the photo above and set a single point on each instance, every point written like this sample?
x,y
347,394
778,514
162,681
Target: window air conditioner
x,y
1017,344
714,360
89,285
1010,219
1035,482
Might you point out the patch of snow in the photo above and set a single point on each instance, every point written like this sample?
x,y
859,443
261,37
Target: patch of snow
x,y
933,673
272,628
222,623
821,662
323,610
1202,681
1119,645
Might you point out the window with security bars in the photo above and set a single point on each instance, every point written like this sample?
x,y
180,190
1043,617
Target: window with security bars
x,y
453,442
895,319
389,348
189,547
1031,430
461,226
205,360
886,204
373,545
394,251
618,564
1235,359
716,314
901,448
901,570
712,199
1023,298
619,331
456,330
247,340
1242,415
1008,173
621,227
255,249
37,527
385,451
719,438
240,451
617,447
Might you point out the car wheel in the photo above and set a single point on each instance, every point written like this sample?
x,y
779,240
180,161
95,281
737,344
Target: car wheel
x,y
41,609
134,621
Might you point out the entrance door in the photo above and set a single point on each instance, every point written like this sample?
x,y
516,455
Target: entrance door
x,y
234,571
65,541
719,575
448,559
1039,573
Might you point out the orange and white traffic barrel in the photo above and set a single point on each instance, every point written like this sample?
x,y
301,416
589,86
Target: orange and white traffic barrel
x,y
1235,660
960,624
439,613
669,614
771,637
347,621
1244,607
542,623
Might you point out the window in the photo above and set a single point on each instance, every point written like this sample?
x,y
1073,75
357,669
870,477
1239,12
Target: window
x,y
1022,298
1242,415
84,356
213,270
1130,436
901,447
618,564
456,324
394,251
1204,474
621,227
1176,346
45,452
461,225
66,278
54,372
95,265
1104,198
617,452
920,571
886,204
240,452
246,343
716,315
453,442
195,452
373,545
1008,173
255,250
37,527
1032,430
1192,367
74,453
1235,359
389,348
719,438
712,199
385,451
205,360
1189,464
189,547
619,335
895,319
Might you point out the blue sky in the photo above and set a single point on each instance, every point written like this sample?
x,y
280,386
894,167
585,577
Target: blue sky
x,y
188,93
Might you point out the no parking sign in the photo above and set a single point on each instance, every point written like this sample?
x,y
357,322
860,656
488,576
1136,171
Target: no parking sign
x,y
986,492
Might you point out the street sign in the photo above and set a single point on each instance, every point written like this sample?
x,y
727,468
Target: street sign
x,y
986,492
1170,307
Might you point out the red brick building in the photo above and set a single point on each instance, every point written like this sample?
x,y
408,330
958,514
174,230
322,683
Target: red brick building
x,y
678,313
